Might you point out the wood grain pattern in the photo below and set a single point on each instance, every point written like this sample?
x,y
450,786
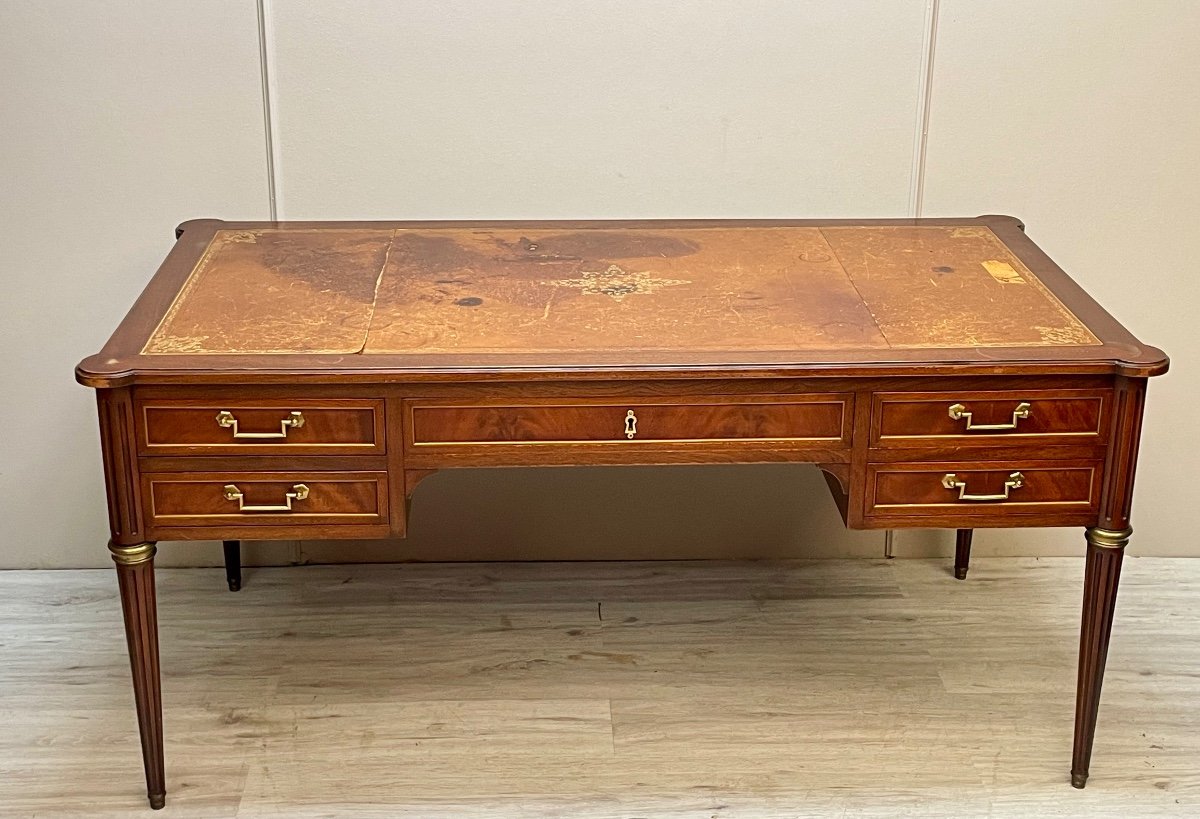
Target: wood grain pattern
x,y
764,689
180,425
917,488
199,499
813,419
118,448
1054,417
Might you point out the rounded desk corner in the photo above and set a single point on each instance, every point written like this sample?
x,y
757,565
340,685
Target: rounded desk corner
x,y
1005,219
193,224
102,372
1144,362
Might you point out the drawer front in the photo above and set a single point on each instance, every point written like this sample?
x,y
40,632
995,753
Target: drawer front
x,y
814,419
275,426
989,418
1026,487
265,498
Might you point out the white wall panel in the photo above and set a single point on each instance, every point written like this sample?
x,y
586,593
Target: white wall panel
x,y
545,109
540,108
1084,120
118,121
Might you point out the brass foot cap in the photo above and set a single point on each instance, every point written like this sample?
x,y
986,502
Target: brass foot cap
x,y
158,801
960,574
1078,780
235,585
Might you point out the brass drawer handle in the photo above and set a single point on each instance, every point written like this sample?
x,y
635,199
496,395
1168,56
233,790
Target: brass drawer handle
x,y
299,492
950,480
294,420
630,424
958,412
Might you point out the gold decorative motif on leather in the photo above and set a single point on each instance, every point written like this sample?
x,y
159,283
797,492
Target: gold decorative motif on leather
x,y
960,413
299,492
616,282
294,420
1015,481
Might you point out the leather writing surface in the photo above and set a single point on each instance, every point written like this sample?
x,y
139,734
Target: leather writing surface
x,y
485,290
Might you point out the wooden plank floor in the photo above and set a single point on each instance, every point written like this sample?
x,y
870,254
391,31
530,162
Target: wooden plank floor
x,y
698,689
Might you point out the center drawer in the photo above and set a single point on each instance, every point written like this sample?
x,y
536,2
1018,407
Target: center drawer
x,y
818,420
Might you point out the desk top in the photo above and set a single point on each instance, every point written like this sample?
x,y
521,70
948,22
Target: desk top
x,y
552,298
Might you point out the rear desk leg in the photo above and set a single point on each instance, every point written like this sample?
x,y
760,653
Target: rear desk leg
x,y
962,553
233,564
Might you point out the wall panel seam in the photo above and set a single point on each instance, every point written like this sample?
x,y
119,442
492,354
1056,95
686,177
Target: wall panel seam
x,y
267,79
916,194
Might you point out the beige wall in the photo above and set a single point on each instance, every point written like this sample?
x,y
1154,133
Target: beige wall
x,y
120,121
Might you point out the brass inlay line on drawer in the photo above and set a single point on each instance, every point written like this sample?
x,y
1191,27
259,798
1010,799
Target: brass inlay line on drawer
x,y
634,423
946,486
303,425
212,498
989,418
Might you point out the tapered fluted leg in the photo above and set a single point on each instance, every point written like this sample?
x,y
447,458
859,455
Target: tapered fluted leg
x,y
135,575
962,553
1105,547
233,564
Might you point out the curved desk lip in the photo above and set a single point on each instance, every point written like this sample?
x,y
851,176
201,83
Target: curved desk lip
x,y
100,372
121,363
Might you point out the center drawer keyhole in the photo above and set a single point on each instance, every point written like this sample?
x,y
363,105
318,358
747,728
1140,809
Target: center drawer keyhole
x,y
630,424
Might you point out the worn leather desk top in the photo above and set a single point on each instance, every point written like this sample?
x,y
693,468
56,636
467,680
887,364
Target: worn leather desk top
x,y
430,296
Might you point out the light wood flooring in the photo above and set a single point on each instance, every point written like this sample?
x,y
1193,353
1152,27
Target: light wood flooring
x,y
691,689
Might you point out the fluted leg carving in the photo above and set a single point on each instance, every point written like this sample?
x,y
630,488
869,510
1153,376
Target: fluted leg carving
x,y
135,575
1105,548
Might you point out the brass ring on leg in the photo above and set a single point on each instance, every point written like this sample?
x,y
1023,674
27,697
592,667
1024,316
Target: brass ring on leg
x,y
1109,538
132,555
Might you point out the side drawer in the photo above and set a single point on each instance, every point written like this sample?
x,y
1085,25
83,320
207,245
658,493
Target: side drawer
x,y
987,488
914,419
308,426
820,420
264,498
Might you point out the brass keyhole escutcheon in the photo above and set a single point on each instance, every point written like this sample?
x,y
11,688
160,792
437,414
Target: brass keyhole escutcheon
x,y
630,424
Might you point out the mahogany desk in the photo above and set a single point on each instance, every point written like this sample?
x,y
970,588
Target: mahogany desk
x,y
297,380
